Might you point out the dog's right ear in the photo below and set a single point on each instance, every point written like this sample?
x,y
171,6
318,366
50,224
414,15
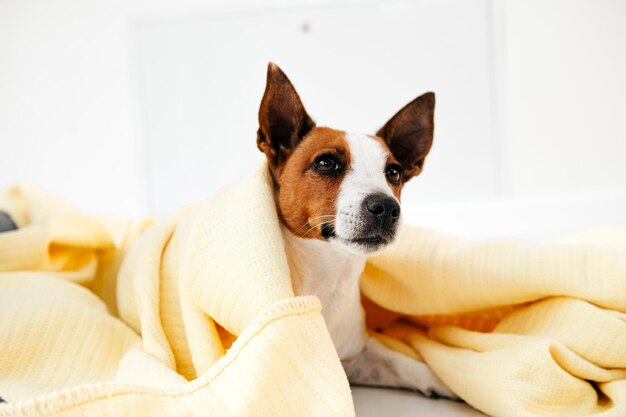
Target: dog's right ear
x,y
283,121
409,134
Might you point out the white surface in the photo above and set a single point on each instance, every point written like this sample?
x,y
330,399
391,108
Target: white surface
x,y
377,402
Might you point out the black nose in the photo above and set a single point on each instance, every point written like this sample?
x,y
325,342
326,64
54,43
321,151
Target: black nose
x,y
383,208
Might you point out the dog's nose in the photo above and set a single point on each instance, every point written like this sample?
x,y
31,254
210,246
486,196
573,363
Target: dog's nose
x,y
383,207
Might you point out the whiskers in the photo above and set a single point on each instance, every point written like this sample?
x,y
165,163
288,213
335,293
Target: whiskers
x,y
331,221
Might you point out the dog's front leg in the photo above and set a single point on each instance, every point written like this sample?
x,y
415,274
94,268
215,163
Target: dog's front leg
x,y
380,366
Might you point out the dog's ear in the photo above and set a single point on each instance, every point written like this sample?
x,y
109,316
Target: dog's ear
x,y
409,133
283,121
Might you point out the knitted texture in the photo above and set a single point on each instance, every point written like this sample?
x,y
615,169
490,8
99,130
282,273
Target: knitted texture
x,y
195,315
203,320
515,328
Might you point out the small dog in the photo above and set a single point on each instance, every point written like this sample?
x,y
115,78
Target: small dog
x,y
338,197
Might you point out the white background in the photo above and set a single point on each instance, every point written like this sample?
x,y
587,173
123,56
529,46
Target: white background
x,y
139,107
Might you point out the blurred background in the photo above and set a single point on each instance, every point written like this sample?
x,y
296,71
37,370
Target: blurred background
x,y
139,107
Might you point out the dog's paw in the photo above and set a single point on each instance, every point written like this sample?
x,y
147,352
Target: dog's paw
x,y
438,390
424,380
380,366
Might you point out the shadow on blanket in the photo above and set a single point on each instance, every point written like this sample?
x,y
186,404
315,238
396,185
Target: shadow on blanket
x,y
6,223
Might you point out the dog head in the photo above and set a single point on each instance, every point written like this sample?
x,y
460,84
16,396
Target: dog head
x,y
340,187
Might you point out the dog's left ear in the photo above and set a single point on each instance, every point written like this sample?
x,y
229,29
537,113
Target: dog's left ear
x,y
409,133
283,121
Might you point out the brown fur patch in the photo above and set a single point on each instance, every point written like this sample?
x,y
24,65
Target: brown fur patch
x,y
307,199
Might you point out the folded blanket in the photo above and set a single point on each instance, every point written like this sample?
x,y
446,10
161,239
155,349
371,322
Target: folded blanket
x,y
195,315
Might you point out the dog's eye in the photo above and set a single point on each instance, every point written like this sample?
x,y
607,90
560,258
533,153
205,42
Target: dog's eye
x,y
393,174
326,164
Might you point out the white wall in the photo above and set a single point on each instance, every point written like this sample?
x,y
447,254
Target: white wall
x,y
68,116
118,105
203,78
565,95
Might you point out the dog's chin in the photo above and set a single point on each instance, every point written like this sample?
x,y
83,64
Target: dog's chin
x,y
367,246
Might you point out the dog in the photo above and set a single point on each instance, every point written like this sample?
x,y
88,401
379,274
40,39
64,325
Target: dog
x,y
337,196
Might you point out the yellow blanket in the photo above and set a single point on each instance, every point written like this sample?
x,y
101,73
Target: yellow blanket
x,y
195,315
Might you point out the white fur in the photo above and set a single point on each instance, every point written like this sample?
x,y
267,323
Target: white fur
x,y
331,271
366,176
318,268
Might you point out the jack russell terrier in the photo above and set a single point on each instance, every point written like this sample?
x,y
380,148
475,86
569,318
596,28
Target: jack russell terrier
x,y
338,198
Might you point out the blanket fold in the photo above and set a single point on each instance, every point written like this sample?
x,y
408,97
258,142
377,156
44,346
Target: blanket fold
x,y
195,315
201,321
